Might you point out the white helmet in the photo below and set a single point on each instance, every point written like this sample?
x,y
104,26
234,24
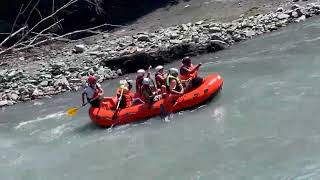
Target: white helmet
x,y
146,81
174,72
158,68
141,72
123,82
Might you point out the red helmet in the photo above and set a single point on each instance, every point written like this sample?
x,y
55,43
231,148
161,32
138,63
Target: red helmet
x,y
92,80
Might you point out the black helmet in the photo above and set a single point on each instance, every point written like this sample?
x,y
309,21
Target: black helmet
x,y
186,60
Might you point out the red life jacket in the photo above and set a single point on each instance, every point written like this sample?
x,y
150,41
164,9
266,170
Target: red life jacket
x,y
188,75
127,97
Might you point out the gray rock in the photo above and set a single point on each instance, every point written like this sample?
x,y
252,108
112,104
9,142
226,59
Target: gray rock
x,y
302,18
23,90
283,16
80,48
75,80
143,37
58,65
12,74
184,27
101,71
119,72
173,35
36,93
199,22
4,103
280,9
3,72
44,83
61,82
250,33
176,41
216,36
13,96
214,29
295,6
294,14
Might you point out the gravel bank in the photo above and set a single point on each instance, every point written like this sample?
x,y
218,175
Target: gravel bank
x,y
65,67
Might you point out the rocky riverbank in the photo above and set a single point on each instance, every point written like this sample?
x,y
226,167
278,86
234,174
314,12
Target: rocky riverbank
x,y
108,57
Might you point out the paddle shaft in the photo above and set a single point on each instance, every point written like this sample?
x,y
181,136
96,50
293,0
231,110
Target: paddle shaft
x,y
118,105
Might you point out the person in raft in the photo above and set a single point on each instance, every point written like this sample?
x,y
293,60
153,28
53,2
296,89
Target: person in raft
x,y
93,92
148,94
173,83
139,79
189,74
126,95
160,78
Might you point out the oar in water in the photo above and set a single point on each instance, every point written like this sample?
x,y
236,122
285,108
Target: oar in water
x,y
118,105
74,110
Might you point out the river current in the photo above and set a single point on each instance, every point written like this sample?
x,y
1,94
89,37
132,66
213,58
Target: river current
x,y
263,125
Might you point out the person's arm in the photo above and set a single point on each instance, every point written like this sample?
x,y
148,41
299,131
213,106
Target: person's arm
x,y
83,97
149,72
137,87
100,90
196,68
173,84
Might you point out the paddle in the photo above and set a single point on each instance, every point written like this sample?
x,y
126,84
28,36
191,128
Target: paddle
x,y
117,108
74,110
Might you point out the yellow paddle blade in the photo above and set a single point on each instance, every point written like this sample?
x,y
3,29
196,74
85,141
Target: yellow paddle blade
x,y
72,111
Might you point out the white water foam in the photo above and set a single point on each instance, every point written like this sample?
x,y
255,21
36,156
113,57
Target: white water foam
x,y
56,115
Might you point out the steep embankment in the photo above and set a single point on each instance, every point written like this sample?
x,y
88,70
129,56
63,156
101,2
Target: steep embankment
x,y
52,69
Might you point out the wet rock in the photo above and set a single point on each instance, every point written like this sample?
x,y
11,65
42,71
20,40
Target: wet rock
x,y
302,18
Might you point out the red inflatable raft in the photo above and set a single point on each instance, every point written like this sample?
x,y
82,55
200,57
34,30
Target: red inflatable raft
x,y
103,116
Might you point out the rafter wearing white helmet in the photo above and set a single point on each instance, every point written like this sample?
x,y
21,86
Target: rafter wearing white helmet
x,y
158,68
141,72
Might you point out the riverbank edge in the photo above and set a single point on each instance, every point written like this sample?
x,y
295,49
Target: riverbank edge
x,y
107,59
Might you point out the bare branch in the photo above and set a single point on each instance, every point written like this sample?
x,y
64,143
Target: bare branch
x,y
52,6
34,7
46,29
90,29
46,18
39,13
11,35
26,7
17,17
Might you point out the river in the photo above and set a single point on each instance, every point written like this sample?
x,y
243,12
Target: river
x,y
263,125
